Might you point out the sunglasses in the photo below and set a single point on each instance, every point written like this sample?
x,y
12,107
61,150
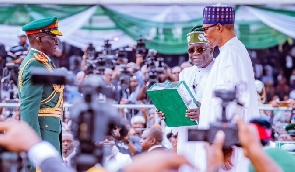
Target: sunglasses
x,y
206,28
199,50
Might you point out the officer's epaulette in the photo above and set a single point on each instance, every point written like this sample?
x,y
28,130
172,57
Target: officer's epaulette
x,y
43,59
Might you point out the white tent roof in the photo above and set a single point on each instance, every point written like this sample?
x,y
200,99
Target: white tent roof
x,y
93,2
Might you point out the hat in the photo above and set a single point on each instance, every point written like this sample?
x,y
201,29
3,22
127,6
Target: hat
x,y
290,128
21,33
263,127
137,118
215,14
284,159
196,35
47,25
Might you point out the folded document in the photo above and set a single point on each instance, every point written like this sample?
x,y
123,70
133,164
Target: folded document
x,y
173,99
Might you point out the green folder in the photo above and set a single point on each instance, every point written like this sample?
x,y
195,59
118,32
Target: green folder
x,y
173,99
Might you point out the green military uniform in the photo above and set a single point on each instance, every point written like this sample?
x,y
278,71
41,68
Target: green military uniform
x,y
41,106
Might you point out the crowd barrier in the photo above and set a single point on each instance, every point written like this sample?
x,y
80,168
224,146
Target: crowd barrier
x,y
133,106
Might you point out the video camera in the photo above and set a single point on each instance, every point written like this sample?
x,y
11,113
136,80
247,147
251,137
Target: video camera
x,y
13,162
230,129
91,51
93,116
140,47
124,78
155,65
100,61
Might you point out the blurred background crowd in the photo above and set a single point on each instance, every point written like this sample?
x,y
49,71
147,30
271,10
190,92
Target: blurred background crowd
x,y
130,70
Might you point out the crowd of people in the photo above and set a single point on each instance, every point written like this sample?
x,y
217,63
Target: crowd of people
x,y
147,131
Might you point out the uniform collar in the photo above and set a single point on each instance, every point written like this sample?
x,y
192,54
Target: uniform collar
x,y
41,52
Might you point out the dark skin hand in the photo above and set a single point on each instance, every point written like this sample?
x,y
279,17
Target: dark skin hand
x,y
192,114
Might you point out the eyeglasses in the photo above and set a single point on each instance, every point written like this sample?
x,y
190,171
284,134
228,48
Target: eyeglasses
x,y
205,29
199,50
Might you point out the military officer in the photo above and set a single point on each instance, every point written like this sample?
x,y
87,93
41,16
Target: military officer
x,y
41,106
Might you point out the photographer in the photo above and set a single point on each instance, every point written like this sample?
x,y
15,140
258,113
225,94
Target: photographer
x,y
20,137
249,139
129,95
89,53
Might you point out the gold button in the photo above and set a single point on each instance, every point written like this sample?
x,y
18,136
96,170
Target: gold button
x,y
46,126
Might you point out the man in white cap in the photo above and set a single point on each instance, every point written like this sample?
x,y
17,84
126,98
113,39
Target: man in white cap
x,y
231,68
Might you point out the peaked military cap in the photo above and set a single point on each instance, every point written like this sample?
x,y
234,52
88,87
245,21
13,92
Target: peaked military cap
x,y
47,25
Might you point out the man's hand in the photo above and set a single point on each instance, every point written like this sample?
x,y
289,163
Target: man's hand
x,y
227,163
156,161
193,114
124,101
160,114
248,136
214,152
18,136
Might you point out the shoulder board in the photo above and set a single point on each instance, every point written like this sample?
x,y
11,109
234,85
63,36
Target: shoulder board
x,y
40,57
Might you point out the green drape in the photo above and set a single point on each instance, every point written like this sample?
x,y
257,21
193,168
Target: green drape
x,y
254,34
19,15
165,37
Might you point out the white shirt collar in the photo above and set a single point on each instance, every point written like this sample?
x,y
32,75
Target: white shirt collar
x,y
41,52
154,147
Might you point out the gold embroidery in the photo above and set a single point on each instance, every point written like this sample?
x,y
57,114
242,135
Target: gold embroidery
x,y
55,112
43,59
50,110
20,81
50,97
57,88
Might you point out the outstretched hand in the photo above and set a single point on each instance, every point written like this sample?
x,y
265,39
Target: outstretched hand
x,y
18,136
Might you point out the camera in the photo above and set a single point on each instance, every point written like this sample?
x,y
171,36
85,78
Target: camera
x,y
100,61
140,47
93,116
91,51
124,78
13,162
155,65
107,48
230,129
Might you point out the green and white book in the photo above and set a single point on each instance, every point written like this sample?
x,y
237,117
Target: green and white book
x,y
173,99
